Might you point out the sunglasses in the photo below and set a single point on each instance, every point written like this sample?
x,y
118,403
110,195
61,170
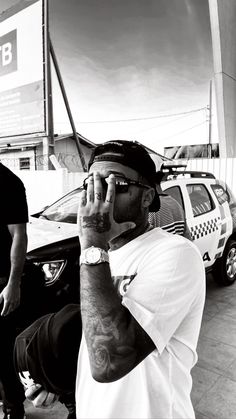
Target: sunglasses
x,y
122,184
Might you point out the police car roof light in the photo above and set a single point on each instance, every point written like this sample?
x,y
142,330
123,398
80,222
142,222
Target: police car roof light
x,y
172,165
173,174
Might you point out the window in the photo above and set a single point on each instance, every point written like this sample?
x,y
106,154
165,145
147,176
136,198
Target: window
x,y
65,209
24,163
200,199
220,193
175,192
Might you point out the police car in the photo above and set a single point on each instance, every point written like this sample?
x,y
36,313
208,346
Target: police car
x,y
210,211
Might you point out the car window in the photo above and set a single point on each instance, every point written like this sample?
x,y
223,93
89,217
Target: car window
x,y
64,210
175,192
200,198
220,193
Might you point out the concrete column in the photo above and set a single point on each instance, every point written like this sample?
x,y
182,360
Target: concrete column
x,y
223,29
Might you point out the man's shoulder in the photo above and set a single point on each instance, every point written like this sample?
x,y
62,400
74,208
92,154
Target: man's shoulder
x,y
10,178
174,247
159,236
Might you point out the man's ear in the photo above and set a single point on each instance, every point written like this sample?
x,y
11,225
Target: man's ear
x,y
148,196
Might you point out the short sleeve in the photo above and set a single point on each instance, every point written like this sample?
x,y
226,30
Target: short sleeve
x,y
14,203
165,287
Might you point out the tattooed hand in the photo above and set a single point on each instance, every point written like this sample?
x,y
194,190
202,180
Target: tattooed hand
x,y
96,225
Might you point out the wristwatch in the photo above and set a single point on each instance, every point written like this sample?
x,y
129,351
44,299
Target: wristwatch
x,y
93,256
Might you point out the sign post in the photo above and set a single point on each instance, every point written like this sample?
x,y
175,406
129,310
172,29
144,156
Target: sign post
x,y
48,141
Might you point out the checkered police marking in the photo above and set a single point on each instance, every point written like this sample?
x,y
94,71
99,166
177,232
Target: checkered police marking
x,y
202,229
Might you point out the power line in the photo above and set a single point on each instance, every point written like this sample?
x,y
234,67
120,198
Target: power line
x,y
186,130
159,125
142,119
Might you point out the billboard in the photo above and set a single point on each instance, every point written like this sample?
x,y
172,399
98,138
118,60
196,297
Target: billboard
x,y
192,151
22,90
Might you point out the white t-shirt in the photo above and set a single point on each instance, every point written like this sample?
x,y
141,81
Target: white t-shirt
x,y
162,280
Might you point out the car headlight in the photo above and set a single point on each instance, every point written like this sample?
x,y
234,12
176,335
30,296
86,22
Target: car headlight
x,y
52,270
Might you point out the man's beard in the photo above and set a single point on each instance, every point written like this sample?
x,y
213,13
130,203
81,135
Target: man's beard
x,y
133,212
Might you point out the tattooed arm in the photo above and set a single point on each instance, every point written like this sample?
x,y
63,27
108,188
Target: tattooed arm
x,y
116,342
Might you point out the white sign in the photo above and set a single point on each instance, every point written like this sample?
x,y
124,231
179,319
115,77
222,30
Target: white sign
x,y
22,70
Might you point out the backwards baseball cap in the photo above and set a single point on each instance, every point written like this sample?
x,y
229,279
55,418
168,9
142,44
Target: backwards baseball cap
x,y
131,154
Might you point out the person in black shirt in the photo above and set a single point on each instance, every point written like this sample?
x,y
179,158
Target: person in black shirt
x,y
13,246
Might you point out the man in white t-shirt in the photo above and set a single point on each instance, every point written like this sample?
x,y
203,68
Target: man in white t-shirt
x,y
142,295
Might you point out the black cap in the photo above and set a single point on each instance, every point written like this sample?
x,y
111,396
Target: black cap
x,y
131,154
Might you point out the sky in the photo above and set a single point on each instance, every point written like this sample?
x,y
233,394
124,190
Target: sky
x,y
133,69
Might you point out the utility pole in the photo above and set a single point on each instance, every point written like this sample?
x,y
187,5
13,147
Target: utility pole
x,y
48,141
209,107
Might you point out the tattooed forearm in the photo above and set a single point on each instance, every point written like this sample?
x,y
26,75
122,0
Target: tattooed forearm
x,y
115,341
98,222
107,349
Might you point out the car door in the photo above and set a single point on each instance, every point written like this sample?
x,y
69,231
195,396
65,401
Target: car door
x,y
204,219
202,214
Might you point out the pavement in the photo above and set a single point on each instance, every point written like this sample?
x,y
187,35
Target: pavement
x,y
214,376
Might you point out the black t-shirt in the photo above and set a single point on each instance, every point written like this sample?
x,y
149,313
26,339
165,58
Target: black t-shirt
x,y
13,210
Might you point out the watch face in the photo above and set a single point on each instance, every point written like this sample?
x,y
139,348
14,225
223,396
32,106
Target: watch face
x,y
93,255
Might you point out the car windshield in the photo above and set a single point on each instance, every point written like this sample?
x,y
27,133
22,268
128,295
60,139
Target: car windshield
x,y
65,209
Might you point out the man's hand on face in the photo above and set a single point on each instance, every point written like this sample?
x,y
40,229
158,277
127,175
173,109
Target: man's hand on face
x,y
10,297
96,224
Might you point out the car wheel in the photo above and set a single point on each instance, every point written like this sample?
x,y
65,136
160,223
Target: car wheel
x,y
224,270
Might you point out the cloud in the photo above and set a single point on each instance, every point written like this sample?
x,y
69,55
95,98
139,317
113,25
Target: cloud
x,y
130,59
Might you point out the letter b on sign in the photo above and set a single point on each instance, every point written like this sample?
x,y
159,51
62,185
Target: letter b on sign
x,y
8,53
